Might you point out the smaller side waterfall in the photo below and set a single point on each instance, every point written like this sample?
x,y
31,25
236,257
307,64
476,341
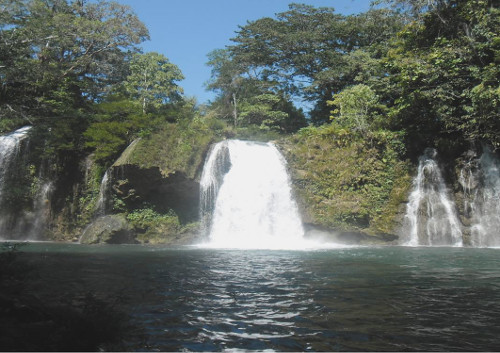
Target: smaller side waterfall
x,y
102,199
485,207
41,211
10,145
430,215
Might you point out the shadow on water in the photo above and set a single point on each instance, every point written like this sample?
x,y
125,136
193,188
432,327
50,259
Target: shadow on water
x,y
351,299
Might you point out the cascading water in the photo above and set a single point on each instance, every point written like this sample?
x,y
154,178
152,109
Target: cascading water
x,y
247,186
41,211
21,223
10,145
216,166
469,180
485,207
102,199
430,215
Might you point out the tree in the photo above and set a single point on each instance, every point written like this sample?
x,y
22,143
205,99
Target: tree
x,y
68,55
152,80
444,71
227,80
116,122
308,52
355,107
248,99
271,112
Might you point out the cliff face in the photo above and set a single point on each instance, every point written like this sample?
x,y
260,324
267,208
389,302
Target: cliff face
x,y
154,185
359,188
354,187
151,191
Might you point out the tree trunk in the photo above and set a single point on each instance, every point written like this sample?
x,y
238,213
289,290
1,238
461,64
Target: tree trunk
x,y
235,111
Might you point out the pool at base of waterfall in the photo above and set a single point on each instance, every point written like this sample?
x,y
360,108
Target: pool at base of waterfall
x,y
346,299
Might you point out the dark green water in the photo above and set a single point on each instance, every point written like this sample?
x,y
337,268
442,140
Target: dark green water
x,y
376,299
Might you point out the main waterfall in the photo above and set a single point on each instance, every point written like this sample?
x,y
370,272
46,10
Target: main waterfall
x,y
246,199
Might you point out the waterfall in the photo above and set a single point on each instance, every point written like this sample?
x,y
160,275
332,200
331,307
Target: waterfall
x,y
10,145
41,211
24,223
485,207
102,199
430,215
246,187
215,168
468,179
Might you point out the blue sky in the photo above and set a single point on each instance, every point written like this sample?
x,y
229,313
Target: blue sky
x,y
185,31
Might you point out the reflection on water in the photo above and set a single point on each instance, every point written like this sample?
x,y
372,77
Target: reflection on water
x,y
326,300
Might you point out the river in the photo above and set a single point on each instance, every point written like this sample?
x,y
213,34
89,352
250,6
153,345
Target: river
x,y
344,299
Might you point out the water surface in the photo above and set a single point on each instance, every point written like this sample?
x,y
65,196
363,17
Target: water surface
x,y
350,299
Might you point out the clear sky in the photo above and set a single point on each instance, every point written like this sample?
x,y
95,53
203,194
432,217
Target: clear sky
x,y
185,31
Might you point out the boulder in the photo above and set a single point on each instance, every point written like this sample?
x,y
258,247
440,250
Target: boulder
x,y
137,186
111,229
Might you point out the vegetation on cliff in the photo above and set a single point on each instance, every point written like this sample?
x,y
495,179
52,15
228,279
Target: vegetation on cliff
x,y
347,181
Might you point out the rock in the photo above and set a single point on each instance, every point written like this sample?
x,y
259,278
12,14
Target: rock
x,y
136,186
111,229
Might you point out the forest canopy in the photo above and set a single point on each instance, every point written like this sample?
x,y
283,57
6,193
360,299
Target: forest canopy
x,y
426,70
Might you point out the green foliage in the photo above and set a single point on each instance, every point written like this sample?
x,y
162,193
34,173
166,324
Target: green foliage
x,y
147,217
152,80
177,146
116,122
270,112
255,133
156,228
348,181
312,53
59,56
356,106
444,72
246,100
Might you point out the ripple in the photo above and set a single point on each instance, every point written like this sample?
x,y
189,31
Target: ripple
x,y
358,299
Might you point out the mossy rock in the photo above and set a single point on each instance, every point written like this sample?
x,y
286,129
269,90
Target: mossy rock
x,y
111,229
348,183
172,149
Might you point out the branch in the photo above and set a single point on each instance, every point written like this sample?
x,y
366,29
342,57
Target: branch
x,y
21,113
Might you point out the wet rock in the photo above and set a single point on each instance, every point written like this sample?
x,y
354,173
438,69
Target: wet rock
x,y
136,186
111,229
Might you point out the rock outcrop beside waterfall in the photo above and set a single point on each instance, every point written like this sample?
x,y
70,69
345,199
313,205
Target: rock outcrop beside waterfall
x,y
154,186
349,189
111,229
361,190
